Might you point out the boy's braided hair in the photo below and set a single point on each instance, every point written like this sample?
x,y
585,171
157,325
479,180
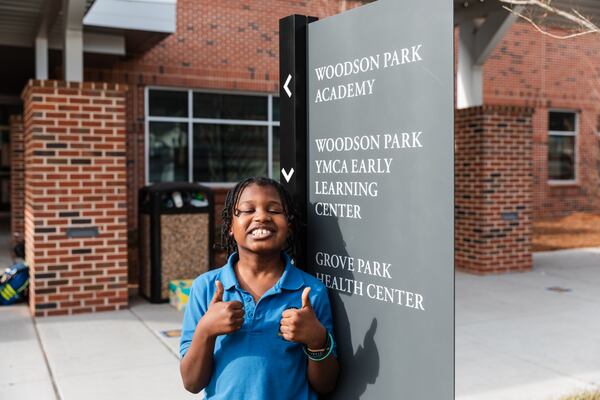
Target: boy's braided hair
x,y
228,242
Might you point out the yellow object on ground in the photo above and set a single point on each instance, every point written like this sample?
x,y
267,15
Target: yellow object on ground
x,y
179,292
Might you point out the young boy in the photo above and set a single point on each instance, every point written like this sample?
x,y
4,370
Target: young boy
x,y
258,327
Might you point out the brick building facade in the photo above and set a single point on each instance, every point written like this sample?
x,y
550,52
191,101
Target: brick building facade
x,y
492,184
539,120
75,196
233,47
17,181
552,75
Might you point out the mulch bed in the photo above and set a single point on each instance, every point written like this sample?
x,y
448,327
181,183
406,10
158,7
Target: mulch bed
x,y
573,231
584,396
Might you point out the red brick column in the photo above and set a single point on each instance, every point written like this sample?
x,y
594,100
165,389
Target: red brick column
x,y
17,178
493,189
75,196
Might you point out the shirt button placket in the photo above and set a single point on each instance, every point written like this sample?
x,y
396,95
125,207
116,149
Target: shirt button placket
x,y
249,307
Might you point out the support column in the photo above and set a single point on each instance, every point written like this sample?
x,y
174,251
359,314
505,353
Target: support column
x,y
493,189
469,76
75,196
73,12
476,43
17,179
50,12
41,57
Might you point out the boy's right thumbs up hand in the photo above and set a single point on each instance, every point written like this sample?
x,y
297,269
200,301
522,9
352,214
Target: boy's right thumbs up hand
x,y
222,317
218,296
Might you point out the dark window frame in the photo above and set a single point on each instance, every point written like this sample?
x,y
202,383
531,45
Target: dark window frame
x,y
270,123
564,133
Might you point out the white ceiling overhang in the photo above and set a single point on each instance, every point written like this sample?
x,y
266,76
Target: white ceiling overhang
x,y
146,15
109,26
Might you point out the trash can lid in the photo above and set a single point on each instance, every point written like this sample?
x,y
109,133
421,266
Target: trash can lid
x,y
176,186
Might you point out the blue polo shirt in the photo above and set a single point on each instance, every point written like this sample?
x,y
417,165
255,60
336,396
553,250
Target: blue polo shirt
x,y
255,362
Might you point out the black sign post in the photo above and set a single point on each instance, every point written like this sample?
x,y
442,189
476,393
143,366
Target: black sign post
x,y
293,36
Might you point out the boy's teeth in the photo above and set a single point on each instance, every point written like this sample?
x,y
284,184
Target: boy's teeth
x,y
260,232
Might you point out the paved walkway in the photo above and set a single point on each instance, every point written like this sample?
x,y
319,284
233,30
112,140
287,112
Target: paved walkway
x,y
515,339
112,355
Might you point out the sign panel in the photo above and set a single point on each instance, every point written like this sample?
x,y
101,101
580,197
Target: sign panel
x,y
380,212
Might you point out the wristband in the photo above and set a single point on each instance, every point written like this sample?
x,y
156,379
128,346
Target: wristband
x,y
320,355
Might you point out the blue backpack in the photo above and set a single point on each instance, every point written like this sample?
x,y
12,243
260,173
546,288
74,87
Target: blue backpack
x,y
13,284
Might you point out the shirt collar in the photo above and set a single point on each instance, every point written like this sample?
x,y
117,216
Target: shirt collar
x,y
290,280
228,278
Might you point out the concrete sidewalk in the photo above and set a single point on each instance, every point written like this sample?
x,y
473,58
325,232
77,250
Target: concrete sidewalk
x,y
112,355
515,339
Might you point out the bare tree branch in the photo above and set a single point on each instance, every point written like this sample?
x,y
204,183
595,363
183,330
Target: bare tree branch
x,y
584,25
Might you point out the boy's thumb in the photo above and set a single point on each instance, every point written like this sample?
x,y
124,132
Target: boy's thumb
x,y
218,296
305,299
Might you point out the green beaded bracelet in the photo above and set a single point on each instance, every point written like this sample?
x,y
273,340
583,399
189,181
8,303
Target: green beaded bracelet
x,y
320,355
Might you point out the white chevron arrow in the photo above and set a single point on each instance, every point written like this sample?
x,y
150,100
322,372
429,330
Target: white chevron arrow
x,y
285,85
286,175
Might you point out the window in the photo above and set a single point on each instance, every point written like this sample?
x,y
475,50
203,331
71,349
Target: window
x,y
210,137
562,135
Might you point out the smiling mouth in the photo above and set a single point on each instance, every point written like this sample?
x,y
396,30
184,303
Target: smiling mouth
x,y
260,233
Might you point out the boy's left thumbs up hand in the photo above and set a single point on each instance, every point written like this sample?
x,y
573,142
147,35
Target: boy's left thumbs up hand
x,y
302,325
305,298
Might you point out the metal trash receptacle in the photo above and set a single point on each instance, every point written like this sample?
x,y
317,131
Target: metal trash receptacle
x,y
176,222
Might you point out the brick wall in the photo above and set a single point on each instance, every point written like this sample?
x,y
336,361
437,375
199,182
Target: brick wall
x,y
17,178
534,70
75,178
493,181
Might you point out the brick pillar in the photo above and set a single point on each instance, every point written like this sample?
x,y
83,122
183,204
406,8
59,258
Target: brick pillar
x,y
75,196
17,178
493,189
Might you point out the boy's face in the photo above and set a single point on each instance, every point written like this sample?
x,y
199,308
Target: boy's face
x,y
259,224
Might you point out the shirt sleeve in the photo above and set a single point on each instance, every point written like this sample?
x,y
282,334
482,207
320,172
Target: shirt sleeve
x,y
195,309
322,307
